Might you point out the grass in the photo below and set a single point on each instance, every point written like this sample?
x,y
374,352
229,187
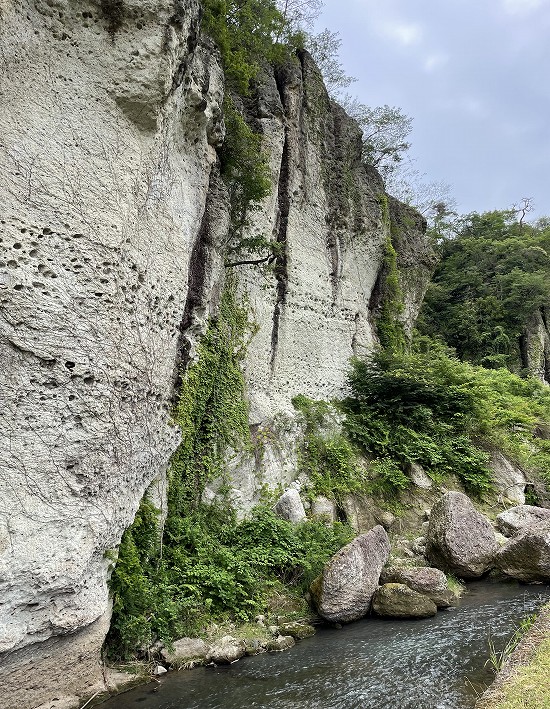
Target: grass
x,y
524,682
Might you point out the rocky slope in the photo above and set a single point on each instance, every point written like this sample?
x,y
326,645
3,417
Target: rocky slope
x,y
113,224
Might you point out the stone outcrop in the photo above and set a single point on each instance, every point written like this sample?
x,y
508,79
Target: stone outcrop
x,y
460,539
186,652
343,592
362,514
114,219
517,518
107,152
226,650
290,506
425,580
527,555
508,479
396,600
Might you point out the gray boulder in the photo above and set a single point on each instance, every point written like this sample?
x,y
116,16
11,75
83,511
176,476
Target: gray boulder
x,y
298,630
226,650
520,517
397,600
509,480
460,539
186,651
290,506
280,643
527,555
343,592
425,580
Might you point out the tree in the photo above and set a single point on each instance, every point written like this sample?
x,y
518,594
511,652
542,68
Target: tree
x,y
324,48
299,15
494,275
385,129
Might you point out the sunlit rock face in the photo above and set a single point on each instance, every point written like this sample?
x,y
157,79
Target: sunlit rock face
x,y
113,220
108,139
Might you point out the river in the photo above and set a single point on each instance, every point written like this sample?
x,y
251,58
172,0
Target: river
x,y
437,663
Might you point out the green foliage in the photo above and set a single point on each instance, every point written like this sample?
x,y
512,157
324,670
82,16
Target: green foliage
x,y
432,409
246,32
219,570
407,409
328,458
211,409
250,34
205,565
244,169
494,275
388,323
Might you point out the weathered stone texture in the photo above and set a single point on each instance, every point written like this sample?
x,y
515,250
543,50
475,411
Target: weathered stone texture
x,y
106,152
460,539
527,555
397,600
344,590
518,518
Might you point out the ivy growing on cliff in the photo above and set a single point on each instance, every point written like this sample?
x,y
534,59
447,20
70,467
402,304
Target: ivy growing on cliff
x,y
204,565
251,35
388,322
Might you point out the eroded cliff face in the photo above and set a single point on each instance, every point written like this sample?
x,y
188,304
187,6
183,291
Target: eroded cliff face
x,y
113,220
106,150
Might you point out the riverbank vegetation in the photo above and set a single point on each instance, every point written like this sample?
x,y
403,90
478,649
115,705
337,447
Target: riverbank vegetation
x,y
524,681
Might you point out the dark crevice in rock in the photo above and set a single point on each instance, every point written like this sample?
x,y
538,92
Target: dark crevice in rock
x,y
377,295
355,331
281,262
283,204
193,37
523,350
199,264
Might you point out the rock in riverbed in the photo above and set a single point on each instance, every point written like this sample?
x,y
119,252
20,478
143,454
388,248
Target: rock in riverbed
x,y
343,592
520,517
399,601
527,555
460,539
427,581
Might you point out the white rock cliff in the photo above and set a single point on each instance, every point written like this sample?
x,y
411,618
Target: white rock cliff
x,y
112,216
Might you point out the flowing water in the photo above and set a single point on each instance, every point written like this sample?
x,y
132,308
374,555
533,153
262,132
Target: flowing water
x,y
437,663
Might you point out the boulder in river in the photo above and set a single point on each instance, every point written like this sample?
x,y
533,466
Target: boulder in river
x,y
280,643
527,555
297,630
397,600
226,650
186,652
343,592
520,517
460,539
428,581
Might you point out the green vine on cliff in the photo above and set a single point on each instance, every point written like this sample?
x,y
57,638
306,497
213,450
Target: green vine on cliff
x,y
388,323
211,410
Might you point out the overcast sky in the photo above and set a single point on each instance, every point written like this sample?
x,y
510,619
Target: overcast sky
x,y
474,75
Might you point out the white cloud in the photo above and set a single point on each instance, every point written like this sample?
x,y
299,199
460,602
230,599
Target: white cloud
x,y
522,7
405,33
